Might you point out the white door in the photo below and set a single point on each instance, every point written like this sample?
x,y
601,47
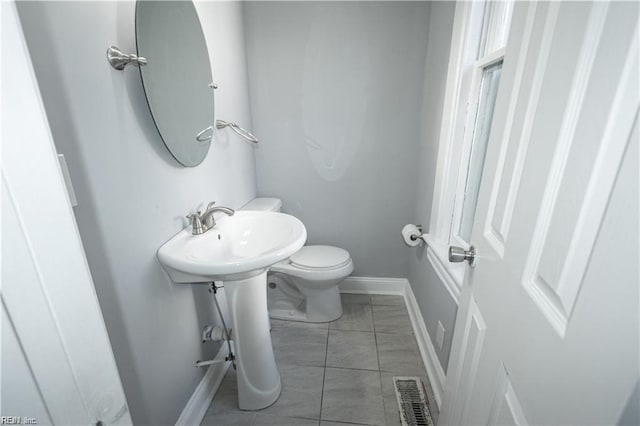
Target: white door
x,y
547,329
57,363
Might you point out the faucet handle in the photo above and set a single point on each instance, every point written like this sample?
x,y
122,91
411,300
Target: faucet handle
x,y
209,220
196,223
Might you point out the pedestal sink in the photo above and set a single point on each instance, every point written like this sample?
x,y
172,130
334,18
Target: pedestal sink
x,y
238,251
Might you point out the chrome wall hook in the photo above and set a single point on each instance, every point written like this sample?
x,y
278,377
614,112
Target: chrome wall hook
x,y
119,59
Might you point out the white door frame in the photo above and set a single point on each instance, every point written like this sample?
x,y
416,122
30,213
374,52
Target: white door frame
x,y
48,299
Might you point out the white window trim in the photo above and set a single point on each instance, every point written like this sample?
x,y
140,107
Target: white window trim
x,y
450,172
474,93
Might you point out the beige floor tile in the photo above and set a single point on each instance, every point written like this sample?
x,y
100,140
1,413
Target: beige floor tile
x,y
352,396
391,319
399,353
352,349
355,317
299,346
301,393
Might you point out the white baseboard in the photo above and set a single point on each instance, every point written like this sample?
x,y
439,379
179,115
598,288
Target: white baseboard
x,y
401,287
435,372
374,285
197,406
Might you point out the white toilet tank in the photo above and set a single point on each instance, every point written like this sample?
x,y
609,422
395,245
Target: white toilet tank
x,y
263,204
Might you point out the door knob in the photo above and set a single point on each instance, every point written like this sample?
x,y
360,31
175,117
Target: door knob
x,y
458,254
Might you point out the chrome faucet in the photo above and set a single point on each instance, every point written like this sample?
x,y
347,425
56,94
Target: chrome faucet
x,y
207,217
201,223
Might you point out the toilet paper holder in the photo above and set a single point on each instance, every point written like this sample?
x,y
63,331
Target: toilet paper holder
x,y
415,237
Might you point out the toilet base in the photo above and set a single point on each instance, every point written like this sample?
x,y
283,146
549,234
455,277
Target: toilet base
x,y
289,302
298,314
323,305
288,310
288,315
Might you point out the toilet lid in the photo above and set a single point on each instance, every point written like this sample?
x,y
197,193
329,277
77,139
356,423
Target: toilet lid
x,y
320,257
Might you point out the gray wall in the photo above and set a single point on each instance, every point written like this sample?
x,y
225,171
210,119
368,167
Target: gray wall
x,y
433,298
132,194
336,92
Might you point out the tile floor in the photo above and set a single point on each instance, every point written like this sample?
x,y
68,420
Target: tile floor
x,y
336,373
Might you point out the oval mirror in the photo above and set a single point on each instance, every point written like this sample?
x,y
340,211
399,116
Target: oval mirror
x,y
177,78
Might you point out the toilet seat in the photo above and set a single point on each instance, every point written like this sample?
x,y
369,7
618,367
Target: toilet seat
x,y
320,257
317,263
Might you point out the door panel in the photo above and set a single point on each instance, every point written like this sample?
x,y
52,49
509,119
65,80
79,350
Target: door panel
x,y
506,408
556,228
579,153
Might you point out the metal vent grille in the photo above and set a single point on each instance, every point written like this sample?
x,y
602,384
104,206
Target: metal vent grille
x,y
412,402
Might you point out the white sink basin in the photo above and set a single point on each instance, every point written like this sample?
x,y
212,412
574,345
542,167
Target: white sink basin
x,y
238,247
238,251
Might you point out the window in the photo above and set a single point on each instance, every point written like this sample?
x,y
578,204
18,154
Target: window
x,y
475,160
475,67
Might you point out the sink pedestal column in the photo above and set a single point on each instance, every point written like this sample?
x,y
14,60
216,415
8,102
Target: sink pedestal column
x,y
258,378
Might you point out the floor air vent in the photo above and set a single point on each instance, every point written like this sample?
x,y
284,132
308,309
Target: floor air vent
x,y
412,402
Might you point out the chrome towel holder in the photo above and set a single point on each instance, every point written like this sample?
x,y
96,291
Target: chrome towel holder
x,y
221,124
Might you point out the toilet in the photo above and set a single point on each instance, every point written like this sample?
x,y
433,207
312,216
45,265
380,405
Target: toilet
x,y
304,287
